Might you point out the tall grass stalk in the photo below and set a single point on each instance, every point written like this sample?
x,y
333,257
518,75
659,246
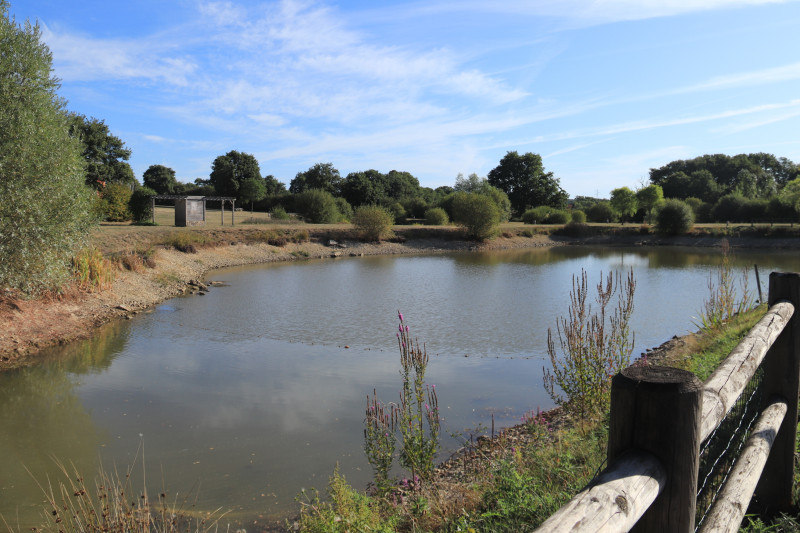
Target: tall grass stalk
x,y
723,301
593,345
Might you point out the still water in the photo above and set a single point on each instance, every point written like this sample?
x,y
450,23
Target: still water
x,y
247,395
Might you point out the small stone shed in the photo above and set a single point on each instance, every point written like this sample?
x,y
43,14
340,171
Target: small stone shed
x,y
191,210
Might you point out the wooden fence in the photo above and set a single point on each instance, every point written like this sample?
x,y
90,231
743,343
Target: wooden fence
x,y
660,416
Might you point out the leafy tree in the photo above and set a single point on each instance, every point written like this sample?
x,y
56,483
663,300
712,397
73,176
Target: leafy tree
x,y
44,203
161,179
649,197
105,154
230,171
322,176
251,190
790,194
523,179
364,188
623,201
273,186
469,184
477,214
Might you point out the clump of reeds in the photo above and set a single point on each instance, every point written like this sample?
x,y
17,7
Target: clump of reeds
x,y
113,504
91,270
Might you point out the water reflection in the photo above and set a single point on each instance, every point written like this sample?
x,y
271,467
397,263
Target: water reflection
x,y
44,421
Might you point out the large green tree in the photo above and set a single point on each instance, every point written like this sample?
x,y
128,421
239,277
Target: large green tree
x,y
322,176
105,154
160,178
524,180
44,203
230,171
624,202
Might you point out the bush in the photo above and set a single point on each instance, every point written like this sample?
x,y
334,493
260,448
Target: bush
x,y
279,213
373,221
602,212
545,214
436,217
537,215
728,208
140,205
345,210
578,216
674,217
317,206
116,197
476,213
45,206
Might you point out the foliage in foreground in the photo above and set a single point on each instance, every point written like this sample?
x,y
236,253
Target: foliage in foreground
x,y
44,204
113,503
594,344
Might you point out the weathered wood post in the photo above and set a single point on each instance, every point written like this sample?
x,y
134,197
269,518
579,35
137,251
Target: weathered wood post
x,y
658,410
153,208
782,378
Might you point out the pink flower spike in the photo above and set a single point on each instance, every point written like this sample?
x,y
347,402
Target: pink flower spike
x,y
400,327
400,316
406,329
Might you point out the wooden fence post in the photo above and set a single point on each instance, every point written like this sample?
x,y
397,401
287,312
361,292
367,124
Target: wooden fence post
x,y
658,410
782,378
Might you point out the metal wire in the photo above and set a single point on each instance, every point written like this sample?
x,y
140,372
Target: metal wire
x,y
720,450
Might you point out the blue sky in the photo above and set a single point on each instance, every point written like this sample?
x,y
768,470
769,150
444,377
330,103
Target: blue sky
x,y
603,90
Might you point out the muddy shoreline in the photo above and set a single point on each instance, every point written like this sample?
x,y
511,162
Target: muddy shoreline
x,y
28,326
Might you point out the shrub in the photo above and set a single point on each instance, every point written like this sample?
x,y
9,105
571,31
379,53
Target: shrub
x,y
436,217
545,214
345,210
578,216
373,221
558,217
279,213
140,205
116,197
728,208
398,212
537,215
477,214
674,217
602,212
45,210
317,206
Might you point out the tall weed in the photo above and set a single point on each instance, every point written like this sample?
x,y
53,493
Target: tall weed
x,y
723,301
593,345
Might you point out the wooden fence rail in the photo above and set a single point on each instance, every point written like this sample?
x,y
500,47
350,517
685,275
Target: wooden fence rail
x,y
660,416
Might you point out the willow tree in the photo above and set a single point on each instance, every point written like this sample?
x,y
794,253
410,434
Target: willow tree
x,y
44,203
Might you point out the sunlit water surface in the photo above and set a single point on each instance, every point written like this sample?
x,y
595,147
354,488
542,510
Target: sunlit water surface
x,y
243,397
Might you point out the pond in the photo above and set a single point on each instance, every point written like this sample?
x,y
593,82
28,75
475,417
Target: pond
x,y
244,396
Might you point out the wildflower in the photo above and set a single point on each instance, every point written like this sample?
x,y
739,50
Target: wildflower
x,y
406,329
400,316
